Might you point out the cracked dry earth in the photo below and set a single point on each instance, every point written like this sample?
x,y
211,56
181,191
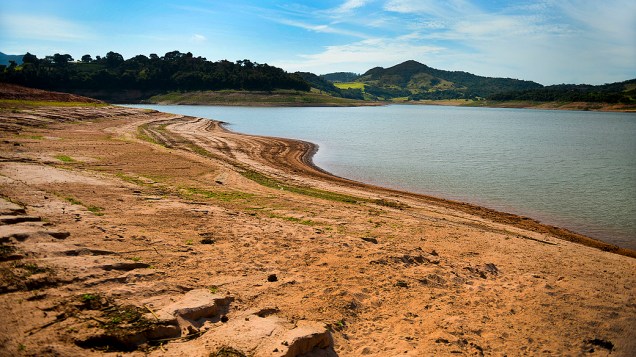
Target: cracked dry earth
x,y
132,232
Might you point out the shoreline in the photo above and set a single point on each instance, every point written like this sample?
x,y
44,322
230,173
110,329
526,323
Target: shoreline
x,y
135,232
308,150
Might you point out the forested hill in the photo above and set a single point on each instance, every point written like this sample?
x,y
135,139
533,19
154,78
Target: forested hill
x,y
175,71
620,92
414,81
419,81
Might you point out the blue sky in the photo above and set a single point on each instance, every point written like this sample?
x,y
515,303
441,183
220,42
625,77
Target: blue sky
x,y
549,41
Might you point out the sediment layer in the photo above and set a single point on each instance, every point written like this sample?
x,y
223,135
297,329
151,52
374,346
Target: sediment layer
x,y
166,234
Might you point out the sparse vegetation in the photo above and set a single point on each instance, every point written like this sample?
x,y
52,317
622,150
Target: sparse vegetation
x,y
65,158
307,191
227,352
225,196
98,211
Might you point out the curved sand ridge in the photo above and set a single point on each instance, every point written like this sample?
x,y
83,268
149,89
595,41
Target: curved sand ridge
x,y
228,242
288,157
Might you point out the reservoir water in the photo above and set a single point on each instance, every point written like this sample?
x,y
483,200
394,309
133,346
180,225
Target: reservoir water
x,y
572,169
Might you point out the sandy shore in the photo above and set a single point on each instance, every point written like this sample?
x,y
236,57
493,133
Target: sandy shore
x,y
135,232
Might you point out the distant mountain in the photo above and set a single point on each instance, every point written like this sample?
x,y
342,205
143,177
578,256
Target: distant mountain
x,y
4,59
415,81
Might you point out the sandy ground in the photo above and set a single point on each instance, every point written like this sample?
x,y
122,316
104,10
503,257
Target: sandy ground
x,y
132,232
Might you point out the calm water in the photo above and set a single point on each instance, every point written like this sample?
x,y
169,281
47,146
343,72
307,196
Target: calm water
x,y
572,169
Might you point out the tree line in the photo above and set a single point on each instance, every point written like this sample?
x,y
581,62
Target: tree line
x,y
175,71
621,92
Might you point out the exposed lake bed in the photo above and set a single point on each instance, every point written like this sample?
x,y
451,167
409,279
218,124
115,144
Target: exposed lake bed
x,y
576,170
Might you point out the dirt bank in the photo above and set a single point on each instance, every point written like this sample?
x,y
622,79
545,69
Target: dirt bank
x,y
129,232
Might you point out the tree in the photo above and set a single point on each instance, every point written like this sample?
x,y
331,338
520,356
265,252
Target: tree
x,y
87,59
114,59
62,59
29,58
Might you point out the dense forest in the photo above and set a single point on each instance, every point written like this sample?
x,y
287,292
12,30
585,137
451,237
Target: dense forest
x,y
175,71
621,92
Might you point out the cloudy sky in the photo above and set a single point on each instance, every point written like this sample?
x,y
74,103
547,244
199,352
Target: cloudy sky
x,y
549,41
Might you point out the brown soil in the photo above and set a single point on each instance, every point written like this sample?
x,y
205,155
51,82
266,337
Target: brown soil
x,y
15,92
135,232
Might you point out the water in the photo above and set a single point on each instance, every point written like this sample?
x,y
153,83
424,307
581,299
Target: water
x,y
576,170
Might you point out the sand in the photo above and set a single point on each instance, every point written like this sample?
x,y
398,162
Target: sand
x,y
133,232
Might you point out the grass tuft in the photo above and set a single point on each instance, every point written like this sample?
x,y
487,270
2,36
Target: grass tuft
x,y
307,191
65,158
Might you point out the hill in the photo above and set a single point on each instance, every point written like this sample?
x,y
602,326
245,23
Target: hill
x,y
340,77
417,81
115,79
620,92
4,59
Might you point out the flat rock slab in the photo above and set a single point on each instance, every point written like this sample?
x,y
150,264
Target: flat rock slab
x,y
18,219
194,305
8,208
272,336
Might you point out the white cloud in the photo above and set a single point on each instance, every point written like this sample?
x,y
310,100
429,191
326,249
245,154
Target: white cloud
x,y
41,28
319,28
360,56
197,38
442,9
350,5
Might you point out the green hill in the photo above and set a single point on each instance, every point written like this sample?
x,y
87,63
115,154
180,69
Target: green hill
x,y
416,81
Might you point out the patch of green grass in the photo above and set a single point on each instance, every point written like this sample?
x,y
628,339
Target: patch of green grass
x,y
306,222
392,204
189,242
65,158
214,289
132,179
142,133
93,209
74,201
233,97
30,268
135,259
225,196
88,297
349,85
307,191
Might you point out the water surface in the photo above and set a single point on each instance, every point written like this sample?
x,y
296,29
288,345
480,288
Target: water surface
x,y
572,169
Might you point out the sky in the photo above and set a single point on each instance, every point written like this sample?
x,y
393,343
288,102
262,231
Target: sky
x,y
547,41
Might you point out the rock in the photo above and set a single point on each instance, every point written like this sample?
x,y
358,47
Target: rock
x,y
10,208
59,235
125,266
492,268
307,338
272,278
195,305
272,336
370,240
18,219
